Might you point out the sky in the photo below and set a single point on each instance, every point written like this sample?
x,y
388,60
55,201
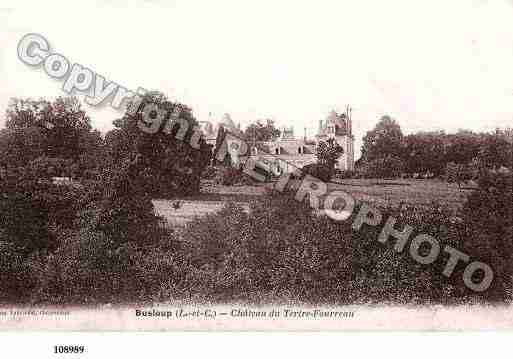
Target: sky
x,y
437,65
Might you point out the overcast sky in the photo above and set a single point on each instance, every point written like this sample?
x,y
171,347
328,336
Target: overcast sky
x,y
429,64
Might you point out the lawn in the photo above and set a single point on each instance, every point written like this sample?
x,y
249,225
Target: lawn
x,y
410,191
375,191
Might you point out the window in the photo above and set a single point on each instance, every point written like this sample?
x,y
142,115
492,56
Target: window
x,y
277,151
299,150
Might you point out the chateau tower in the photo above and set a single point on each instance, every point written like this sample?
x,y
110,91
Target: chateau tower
x,y
339,127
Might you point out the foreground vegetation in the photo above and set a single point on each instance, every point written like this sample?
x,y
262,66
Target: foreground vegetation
x,y
97,239
280,251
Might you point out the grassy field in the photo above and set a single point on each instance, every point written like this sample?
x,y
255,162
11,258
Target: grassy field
x,y
409,191
375,191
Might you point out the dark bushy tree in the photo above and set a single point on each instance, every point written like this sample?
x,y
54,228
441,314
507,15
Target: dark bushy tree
x,y
42,139
425,152
488,214
52,129
462,147
175,166
126,212
25,216
386,139
328,152
318,171
383,150
58,130
496,150
383,167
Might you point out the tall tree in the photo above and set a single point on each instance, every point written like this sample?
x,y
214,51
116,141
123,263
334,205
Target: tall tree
x,y
328,153
462,147
41,128
425,152
496,150
385,140
170,165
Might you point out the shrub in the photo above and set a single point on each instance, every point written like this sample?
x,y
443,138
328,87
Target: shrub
x,y
16,280
492,203
320,171
100,260
236,256
126,212
231,176
489,215
88,268
118,253
34,211
25,209
282,251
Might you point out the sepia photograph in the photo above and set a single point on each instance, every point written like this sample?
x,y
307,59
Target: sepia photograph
x,y
256,165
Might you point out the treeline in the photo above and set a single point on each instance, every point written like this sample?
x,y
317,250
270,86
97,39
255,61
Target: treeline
x,y
77,239
386,152
57,138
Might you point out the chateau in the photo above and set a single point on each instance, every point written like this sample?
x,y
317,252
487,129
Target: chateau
x,y
288,152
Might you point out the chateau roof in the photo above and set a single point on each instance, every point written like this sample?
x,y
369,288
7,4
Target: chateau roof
x,y
339,122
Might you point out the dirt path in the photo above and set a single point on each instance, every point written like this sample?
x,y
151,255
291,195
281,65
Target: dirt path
x,y
188,209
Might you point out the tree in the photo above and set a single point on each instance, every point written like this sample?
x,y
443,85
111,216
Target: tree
x,y
62,123
318,171
172,164
383,167
328,152
126,213
42,139
495,150
20,146
462,147
424,152
260,131
384,140
94,157
25,210
58,129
